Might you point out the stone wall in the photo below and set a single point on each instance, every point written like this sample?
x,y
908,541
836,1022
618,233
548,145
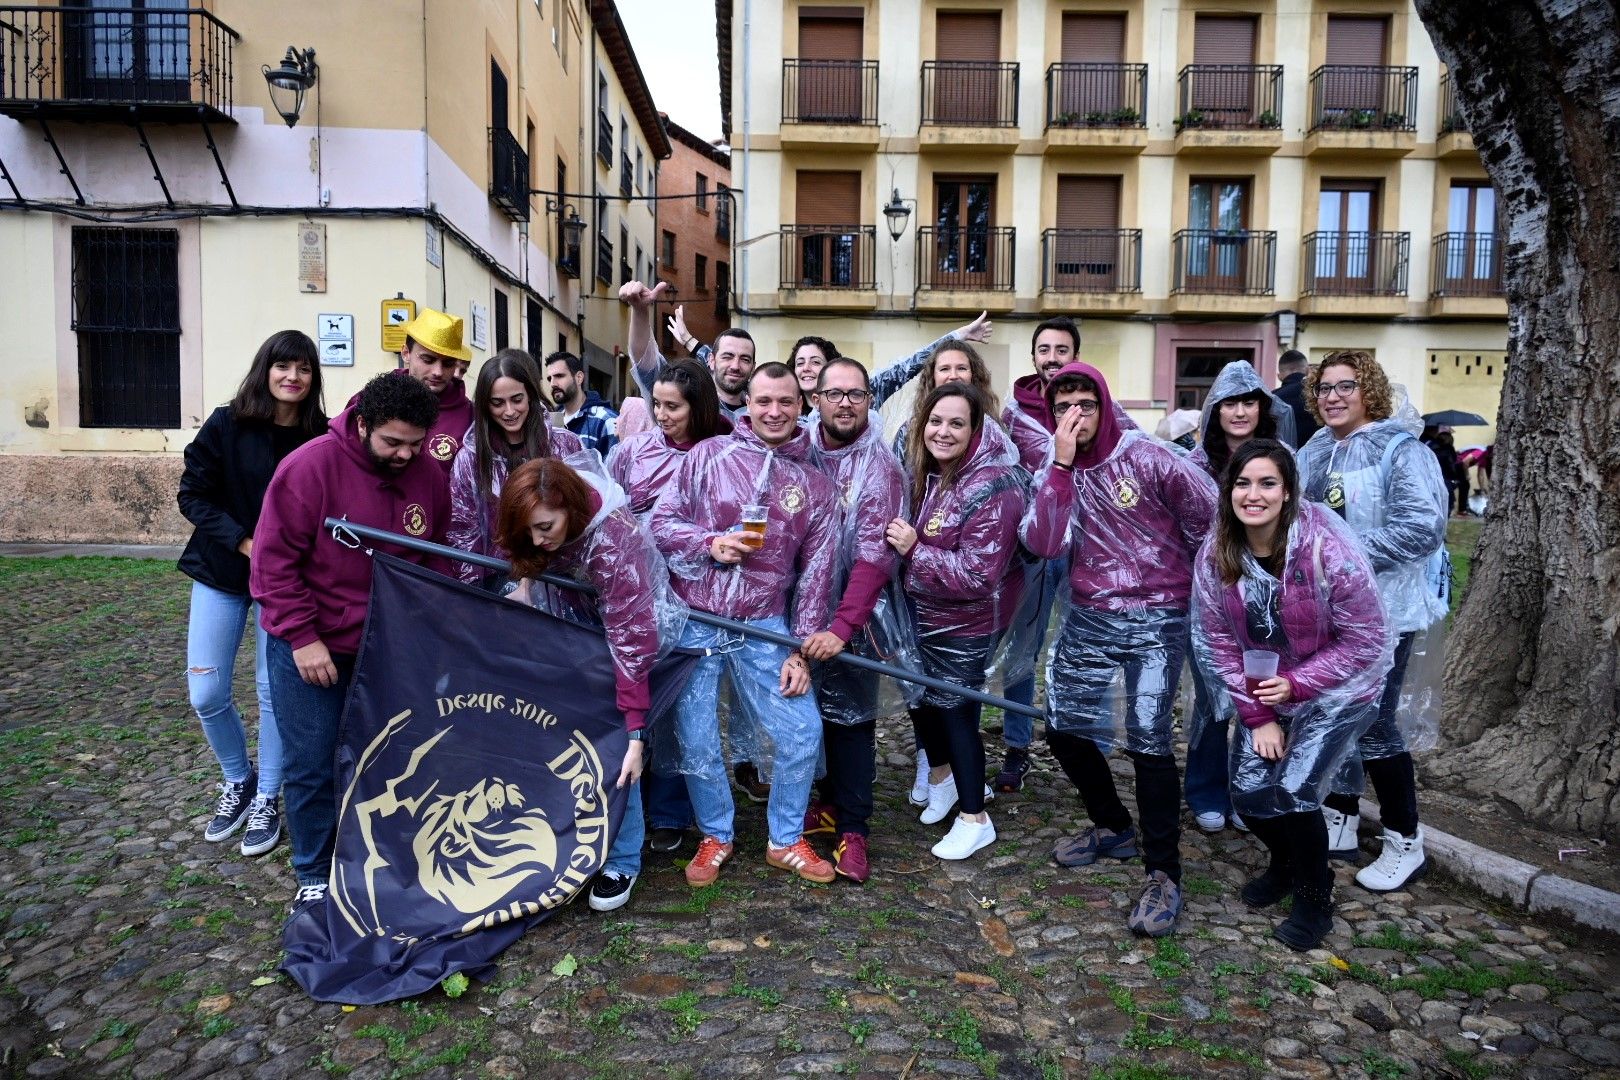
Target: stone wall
x,y
91,499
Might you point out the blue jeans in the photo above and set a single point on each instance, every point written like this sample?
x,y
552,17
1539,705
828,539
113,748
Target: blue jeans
x,y
309,716
624,857
791,725
212,637
1017,729
1208,762
667,804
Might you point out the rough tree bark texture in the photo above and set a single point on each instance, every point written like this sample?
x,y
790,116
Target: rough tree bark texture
x,y
1532,682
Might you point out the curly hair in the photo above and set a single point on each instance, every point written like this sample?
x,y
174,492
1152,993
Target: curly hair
x,y
1376,396
394,395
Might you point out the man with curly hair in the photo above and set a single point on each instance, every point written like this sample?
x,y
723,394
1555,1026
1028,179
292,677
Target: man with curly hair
x,y
313,588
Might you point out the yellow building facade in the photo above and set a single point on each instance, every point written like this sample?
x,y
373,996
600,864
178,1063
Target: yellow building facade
x,y
160,218
1197,182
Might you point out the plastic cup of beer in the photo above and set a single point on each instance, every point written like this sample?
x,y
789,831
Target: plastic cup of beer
x,y
1258,666
753,521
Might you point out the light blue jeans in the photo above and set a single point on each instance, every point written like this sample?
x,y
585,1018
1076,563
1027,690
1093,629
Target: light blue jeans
x,y
212,639
1017,729
624,857
789,739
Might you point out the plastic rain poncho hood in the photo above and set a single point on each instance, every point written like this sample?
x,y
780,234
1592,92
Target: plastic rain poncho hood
x,y
1235,380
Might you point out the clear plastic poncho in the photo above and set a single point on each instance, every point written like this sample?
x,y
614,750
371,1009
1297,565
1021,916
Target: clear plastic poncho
x,y
1324,619
1238,379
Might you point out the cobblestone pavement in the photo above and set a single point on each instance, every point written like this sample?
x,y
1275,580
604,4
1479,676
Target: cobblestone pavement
x,y
132,948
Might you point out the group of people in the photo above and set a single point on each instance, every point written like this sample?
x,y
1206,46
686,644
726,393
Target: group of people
x,y
766,493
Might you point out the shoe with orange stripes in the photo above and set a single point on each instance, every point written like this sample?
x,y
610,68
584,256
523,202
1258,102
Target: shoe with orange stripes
x,y
705,865
800,858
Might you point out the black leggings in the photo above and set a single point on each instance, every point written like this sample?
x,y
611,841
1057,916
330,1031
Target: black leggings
x,y
1158,796
1394,781
950,736
851,771
1298,844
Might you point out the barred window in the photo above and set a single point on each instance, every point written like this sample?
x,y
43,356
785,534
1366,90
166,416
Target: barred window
x,y
126,314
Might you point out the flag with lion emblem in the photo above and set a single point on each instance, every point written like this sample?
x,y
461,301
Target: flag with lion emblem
x,y
476,769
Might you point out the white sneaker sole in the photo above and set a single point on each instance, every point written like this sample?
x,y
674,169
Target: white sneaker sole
x,y
950,855
612,903
264,846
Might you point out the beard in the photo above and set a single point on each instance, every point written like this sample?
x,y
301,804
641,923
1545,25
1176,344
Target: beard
x,y
382,465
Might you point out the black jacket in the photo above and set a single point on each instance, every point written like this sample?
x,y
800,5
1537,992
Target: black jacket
x,y
228,468
1292,392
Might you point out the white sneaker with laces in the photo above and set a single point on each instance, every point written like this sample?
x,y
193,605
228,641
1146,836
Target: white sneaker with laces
x,y
308,894
941,797
965,838
1210,820
919,786
1401,862
1342,831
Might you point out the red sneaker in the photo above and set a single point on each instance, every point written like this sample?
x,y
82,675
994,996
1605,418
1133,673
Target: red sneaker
x,y
800,858
705,865
851,856
820,818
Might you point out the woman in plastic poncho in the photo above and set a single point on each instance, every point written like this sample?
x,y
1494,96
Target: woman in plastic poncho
x,y
1239,408
1285,578
1367,465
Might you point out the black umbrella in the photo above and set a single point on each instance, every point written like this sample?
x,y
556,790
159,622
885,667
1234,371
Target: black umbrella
x,y
1455,418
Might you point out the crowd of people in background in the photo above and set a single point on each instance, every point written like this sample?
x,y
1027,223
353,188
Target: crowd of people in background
x,y
1282,549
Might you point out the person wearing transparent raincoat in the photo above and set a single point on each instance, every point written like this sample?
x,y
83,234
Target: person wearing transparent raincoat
x,y
1367,465
1238,408
1130,512
764,467
964,577
871,493
569,517
1282,584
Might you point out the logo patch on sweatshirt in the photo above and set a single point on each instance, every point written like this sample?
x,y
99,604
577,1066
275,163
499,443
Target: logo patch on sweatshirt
x,y
792,499
442,446
1126,493
415,519
934,523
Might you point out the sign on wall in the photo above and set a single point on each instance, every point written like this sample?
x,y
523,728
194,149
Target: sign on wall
x,y
479,324
335,334
311,257
395,314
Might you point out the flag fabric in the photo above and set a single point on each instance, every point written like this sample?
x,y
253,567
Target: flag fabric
x,y
476,768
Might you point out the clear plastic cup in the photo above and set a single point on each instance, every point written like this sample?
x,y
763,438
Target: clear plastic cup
x,y
1258,666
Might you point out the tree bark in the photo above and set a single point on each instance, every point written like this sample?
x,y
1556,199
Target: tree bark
x,y
1532,712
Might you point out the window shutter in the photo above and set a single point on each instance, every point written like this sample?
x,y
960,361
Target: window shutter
x,y
829,198
1223,39
829,39
972,35
1356,40
1093,39
1088,202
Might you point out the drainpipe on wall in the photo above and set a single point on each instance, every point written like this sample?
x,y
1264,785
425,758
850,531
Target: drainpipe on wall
x,y
748,122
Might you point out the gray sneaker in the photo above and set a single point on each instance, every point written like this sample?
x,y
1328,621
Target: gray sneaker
x,y
1158,909
263,825
231,809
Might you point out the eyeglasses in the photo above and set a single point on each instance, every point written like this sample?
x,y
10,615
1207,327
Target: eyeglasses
x,y
1344,389
838,397
1087,408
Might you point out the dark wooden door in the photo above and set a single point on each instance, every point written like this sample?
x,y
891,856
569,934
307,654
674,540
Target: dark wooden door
x,y
964,243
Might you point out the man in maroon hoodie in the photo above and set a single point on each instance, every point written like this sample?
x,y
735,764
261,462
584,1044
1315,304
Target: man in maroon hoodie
x,y
1130,514
313,589
434,351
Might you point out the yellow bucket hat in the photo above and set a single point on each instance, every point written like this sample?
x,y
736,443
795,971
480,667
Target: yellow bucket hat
x,y
438,332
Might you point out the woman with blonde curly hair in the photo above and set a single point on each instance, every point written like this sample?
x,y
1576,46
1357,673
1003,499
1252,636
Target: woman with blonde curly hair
x,y
1367,465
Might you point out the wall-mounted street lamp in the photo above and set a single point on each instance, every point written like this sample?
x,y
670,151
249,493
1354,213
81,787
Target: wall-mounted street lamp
x,y
898,213
573,225
290,82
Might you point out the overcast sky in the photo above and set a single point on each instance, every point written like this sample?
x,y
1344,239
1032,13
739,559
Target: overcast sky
x,y
674,43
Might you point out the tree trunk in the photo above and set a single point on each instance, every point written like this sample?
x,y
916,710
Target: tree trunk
x,y
1532,712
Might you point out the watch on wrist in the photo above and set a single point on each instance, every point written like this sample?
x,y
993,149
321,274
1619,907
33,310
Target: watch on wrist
x,y
638,735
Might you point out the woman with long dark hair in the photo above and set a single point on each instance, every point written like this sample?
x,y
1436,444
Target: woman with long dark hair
x,y
965,580
1286,615
686,410
509,428
229,463
807,357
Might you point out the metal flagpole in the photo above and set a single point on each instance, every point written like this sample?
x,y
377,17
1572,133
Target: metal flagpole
x,y
489,562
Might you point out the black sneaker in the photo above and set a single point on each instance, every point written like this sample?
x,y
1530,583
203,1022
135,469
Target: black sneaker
x,y
748,782
667,840
263,825
232,808
611,890
307,894
1014,767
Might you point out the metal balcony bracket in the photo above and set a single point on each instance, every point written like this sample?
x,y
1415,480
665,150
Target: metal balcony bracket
x,y
78,196
202,118
157,172
12,184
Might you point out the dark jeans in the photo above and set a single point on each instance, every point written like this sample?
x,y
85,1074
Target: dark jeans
x,y
665,799
307,717
851,772
951,737
1158,796
1384,757
1208,773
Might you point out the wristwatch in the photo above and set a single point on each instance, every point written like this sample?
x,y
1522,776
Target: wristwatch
x,y
638,735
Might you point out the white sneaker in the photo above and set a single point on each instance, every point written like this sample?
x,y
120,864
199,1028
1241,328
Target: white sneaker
x,y
1210,820
919,786
1342,831
941,797
1237,823
989,793
965,838
1400,862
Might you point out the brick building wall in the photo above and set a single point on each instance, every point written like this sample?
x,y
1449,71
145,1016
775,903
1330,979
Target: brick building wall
x,y
700,270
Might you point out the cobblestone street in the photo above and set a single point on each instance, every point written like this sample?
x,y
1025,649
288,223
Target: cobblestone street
x,y
132,948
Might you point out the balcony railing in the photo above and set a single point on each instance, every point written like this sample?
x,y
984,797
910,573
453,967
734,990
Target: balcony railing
x,y
508,174
604,138
1239,263
1229,96
969,93
965,258
1096,95
829,91
1091,260
1347,97
160,61
1467,264
829,257
1450,119
626,176
1356,263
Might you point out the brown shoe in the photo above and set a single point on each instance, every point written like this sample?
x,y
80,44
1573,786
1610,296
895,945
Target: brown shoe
x,y
746,779
705,865
800,858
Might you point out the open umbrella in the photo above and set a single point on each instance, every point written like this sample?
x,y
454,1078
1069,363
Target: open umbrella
x,y
1455,418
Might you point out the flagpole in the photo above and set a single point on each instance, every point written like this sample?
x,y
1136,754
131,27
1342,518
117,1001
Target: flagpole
x,y
489,562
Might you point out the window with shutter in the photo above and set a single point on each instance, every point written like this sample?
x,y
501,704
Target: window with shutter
x,y
1086,90
829,71
1354,42
1224,93
828,235
967,81
1086,246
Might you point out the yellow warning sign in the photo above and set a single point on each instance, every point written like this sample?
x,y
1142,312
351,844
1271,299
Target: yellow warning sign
x,y
395,314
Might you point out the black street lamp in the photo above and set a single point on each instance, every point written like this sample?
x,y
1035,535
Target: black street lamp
x,y
290,82
898,214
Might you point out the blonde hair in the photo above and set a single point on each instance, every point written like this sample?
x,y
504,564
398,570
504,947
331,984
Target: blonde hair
x,y
1376,395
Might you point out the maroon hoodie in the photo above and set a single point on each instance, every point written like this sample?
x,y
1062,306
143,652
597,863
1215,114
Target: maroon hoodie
x,y
307,584
455,417
1028,420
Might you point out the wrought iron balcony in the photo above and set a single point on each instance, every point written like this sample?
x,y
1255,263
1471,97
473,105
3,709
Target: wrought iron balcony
x,y
1091,260
1450,119
626,176
829,91
969,93
508,174
829,257
1229,96
1349,97
604,138
1096,95
115,63
965,258
1467,264
1239,262
1356,263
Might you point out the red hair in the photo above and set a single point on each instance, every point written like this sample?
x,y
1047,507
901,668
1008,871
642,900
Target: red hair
x,y
545,482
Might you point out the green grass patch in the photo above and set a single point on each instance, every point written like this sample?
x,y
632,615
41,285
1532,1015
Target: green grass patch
x,y
1469,1065
1170,958
962,1031
1382,1066
215,1026
1462,540
683,1011
1389,936
1199,885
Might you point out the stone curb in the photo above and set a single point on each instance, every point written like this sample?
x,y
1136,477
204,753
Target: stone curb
x,y
105,551
1528,888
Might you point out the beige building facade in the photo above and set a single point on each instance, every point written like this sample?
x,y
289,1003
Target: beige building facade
x,y
1196,182
161,218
